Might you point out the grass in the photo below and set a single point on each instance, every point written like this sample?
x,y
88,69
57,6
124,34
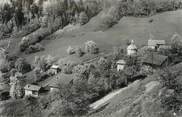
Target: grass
x,y
128,28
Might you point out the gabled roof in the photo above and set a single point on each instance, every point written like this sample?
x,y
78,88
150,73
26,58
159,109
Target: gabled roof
x,y
31,87
54,67
121,62
154,59
156,42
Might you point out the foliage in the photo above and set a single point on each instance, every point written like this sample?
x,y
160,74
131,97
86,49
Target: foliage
x,y
176,43
22,65
91,47
74,100
13,108
70,50
34,48
43,62
24,43
83,18
170,80
81,72
67,66
79,52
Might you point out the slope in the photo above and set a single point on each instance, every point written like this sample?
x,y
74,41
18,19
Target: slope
x,y
164,25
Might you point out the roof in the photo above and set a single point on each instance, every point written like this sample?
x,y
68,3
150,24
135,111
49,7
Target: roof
x,y
121,62
31,87
54,67
156,42
132,47
154,59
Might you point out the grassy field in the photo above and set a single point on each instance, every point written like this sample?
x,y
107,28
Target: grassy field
x,y
129,28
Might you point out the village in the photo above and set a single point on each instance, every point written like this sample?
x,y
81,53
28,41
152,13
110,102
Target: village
x,y
152,57
90,58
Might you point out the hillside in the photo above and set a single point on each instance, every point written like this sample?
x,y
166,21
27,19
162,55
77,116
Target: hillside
x,y
91,58
128,28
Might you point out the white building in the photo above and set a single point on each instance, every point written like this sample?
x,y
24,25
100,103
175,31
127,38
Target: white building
x,y
155,44
55,69
32,90
132,49
120,65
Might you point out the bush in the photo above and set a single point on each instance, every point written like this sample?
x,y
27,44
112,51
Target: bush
x,y
83,18
81,72
43,62
79,52
24,43
91,47
170,80
176,43
70,50
22,65
67,66
34,48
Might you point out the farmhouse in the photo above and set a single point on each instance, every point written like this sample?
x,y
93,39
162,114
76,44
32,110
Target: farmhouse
x,y
155,60
32,90
132,49
155,44
55,69
120,65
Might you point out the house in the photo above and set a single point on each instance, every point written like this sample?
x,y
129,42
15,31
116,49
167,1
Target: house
x,y
154,44
132,49
155,60
120,65
55,69
32,90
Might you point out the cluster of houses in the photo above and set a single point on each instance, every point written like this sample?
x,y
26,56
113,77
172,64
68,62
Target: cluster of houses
x,y
153,59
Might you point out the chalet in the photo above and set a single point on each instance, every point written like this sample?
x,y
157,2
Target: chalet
x,y
32,90
132,49
155,60
120,65
154,44
55,69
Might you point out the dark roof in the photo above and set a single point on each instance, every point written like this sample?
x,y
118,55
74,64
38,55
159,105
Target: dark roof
x,y
154,59
31,87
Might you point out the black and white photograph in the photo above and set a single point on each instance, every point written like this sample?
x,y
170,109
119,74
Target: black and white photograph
x,y
90,58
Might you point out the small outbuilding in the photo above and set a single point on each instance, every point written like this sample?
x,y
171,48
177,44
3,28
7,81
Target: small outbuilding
x,y
32,90
155,44
155,60
120,65
55,69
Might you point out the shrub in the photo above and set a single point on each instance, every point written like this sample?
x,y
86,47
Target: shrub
x,y
43,62
34,48
83,18
169,79
81,72
22,65
176,43
79,52
67,66
70,50
24,43
91,47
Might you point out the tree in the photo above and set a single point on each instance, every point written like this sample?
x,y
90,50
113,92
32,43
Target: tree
x,y
91,47
83,18
176,43
19,18
22,65
33,108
